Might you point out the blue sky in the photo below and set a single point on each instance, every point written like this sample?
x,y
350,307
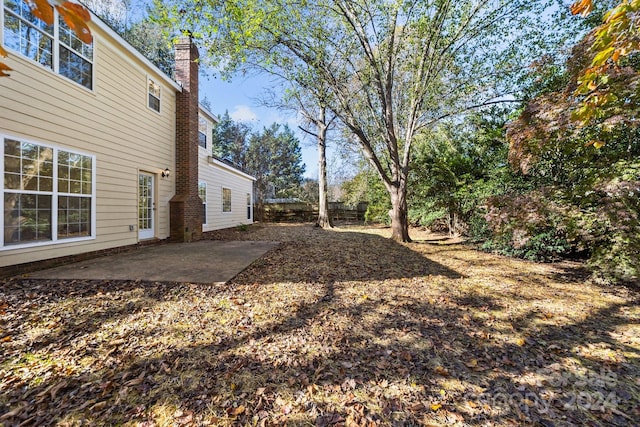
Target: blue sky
x,y
240,97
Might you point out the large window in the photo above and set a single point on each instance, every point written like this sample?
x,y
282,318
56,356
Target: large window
x,y
47,193
226,200
53,46
202,192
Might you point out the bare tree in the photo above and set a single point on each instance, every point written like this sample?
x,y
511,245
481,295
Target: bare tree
x,y
392,69
322,121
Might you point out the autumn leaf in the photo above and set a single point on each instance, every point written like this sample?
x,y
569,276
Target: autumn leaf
x,y
53,389
76,17
616,55
612,40
13,413
238,410
136,381
441,370
582,7
329,419
42,10
602,56
471,363
592,85
4,67
117,349
596,144
99,406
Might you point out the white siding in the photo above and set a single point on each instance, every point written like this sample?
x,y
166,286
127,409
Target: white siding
x,y
111,122
217,177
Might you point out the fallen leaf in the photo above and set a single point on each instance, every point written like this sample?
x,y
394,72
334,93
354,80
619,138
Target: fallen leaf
x,y
327,420
471,363
136,381
405,355
53,389
238,410
441,370
99,406
12,413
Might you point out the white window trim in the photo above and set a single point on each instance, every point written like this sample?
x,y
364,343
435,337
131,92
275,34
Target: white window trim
x,y
54,200
207,133
147,93
204,202
55,53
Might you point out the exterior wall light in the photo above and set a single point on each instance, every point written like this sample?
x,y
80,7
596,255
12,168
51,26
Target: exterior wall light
x,y
166,173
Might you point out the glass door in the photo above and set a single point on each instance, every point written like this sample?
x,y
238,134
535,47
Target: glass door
x,y
146,206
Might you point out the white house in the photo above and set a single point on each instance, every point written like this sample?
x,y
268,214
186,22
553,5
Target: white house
x,y
226,191
100,149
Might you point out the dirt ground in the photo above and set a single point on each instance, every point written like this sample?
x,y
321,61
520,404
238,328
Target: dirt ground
x,y
336,327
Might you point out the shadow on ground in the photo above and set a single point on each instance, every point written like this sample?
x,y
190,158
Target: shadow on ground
x,y
340,328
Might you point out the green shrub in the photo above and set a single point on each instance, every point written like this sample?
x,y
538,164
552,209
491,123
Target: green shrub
x,y
599,221
377,213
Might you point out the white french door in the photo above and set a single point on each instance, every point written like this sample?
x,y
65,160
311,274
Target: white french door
x,y
146,206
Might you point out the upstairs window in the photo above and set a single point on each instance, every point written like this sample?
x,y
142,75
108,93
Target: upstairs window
x,y
27,34
53,46
154,95
75,57
202,132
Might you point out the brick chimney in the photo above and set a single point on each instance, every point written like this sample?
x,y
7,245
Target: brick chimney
x,y
186,205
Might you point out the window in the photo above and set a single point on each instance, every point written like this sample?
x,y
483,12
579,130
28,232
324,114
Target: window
x,y
75,57
53,46
47,195
75,173
154,95
202,132
202,192
248,206
226,200
27,34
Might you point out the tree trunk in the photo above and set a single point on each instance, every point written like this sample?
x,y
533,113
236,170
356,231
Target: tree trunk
x,y
399,214
451,221
258,199
324,218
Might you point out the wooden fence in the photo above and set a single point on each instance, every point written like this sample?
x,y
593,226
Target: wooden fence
x,y
307,212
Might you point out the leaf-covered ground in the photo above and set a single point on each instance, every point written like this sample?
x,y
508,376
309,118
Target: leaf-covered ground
x,y
331,328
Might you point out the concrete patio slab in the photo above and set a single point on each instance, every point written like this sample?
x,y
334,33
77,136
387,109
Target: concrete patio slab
x,y
206,261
